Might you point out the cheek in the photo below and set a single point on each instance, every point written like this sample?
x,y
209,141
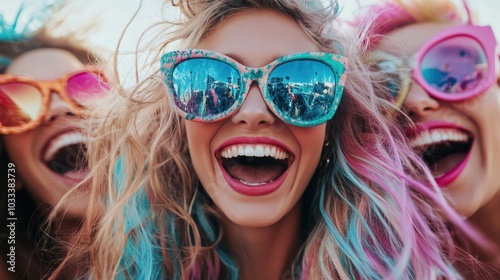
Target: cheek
x,y
484,109
200,137
19,147
21,151
485,115
311,141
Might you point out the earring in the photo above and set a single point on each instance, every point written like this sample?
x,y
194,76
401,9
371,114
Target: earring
x,y
325,157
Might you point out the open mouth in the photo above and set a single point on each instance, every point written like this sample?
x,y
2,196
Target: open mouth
x,y
444,150
255,166
65,155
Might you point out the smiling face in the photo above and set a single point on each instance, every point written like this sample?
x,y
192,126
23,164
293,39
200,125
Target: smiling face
x,y
458,140
261,188
46,156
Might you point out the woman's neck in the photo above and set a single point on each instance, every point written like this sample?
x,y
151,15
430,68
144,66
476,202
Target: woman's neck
x,y
267,252
487,221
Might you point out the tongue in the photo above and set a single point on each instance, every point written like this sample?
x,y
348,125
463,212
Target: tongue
x,y
254,174
446,164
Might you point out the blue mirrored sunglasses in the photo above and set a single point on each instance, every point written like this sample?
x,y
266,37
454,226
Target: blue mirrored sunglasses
x,y
302,89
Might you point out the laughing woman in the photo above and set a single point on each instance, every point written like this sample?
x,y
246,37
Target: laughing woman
x,y
448,67
43,82
241,159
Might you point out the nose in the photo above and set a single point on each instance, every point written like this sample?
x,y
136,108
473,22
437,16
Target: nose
x,y
419,103
254,111
57,109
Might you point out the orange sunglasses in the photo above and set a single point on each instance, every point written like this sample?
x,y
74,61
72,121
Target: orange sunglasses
x,y
25,102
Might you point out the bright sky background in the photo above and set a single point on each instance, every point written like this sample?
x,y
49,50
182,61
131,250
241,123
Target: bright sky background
x,y
121,10
114,14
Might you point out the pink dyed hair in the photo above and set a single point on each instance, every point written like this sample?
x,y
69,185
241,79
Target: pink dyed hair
x,y
388,15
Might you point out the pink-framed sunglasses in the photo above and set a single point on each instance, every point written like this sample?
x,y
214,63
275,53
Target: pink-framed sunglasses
x,y
456,64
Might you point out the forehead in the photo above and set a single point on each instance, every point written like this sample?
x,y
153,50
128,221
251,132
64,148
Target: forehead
x,y
257,36
44,64
407,40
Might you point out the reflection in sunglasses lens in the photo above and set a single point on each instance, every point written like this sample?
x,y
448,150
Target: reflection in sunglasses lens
x,y
205,87
455,65
85,87
392,80
302,90
19,104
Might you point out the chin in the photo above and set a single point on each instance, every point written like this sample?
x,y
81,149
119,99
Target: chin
x,y
257,214
75,209
256,221
464,205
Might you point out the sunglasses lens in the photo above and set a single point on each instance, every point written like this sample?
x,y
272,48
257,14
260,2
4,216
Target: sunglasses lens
x,y
302,90
204,87
19,104
455,65
86,87
392,83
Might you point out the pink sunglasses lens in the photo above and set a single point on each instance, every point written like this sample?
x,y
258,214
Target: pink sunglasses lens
x,y
86,87
455,65
19,104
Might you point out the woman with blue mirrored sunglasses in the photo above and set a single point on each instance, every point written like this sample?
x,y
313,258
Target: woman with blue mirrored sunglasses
x,y
258,152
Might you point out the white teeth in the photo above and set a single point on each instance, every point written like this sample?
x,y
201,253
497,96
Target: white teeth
x,y
255,184
61,141
273,151
267,151
254,150
249,151
435,136
259,151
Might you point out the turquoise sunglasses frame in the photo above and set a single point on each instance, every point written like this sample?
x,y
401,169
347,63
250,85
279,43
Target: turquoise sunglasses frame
x,y
337,63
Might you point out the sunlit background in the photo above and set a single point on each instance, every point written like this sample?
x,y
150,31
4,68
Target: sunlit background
x,y
113,15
